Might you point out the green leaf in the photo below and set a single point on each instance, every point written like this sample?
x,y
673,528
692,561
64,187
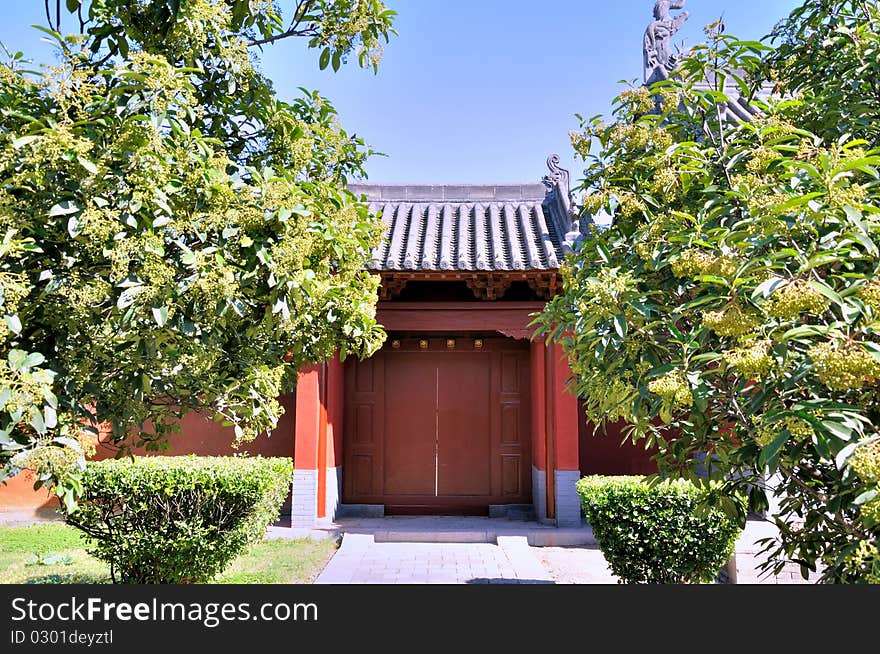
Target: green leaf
x,y
865,497
73,226
837,429
16,359
766,288
844,454
620,325
855,217
827,291
160,314
88,165
37,422
324,59
50,416
33,359
63,209
24,140
13,322
769,456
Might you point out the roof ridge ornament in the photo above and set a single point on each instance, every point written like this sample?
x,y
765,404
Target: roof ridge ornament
x,y
659,58
558,174
563,209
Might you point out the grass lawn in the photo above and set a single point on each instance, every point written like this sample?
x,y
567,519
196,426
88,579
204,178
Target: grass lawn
x,y
54,553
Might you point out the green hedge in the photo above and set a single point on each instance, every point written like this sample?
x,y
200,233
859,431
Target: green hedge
x,y
178,519
657,533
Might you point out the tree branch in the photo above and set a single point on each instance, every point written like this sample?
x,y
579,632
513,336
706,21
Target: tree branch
x,y
302,9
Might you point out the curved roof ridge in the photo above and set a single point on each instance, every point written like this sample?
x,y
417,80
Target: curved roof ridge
x,y
449,192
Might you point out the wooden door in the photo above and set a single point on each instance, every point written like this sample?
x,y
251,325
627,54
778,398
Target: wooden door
x,y
438,425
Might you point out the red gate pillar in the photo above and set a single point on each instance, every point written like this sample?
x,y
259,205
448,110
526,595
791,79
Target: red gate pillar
x,y
317,457
539,428
564,428
331,462
309,420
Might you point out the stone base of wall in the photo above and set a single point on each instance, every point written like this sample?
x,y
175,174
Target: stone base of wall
x,y
304,509
539,494
568,502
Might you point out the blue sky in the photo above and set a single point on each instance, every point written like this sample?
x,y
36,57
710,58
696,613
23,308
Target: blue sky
x,y
475,91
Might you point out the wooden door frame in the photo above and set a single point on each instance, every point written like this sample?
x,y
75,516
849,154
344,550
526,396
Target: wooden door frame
x,y
494,347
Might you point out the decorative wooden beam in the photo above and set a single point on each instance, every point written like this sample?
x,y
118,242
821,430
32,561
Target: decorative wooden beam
x,y
488,285
392,286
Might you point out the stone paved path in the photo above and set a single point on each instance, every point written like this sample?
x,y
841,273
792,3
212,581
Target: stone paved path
x,y
360,560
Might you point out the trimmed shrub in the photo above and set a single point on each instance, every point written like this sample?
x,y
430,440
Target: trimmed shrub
x,y
178,520
657,533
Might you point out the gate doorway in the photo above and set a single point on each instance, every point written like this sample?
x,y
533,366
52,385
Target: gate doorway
x,y
439,426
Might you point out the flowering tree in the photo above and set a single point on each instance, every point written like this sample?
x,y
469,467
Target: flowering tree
x,y
733,307
174,236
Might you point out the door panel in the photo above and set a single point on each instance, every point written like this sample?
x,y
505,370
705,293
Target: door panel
x,y
410,425
464,438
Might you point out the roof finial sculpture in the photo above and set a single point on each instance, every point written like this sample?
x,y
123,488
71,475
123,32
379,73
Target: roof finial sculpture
x,y
659,58
558,183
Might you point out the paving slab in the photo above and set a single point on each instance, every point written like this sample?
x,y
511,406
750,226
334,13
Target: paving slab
x,y
363,560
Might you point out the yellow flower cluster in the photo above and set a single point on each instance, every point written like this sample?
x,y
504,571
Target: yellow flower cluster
x,y
595,201
870,295
843,193
795,298
636,137
695,263
665,184
582,141
611,397
637,100
865,461
97,226
629,204
676,392
601,294
27,389
50,457
761,159
864,562
54,147
653,235
82,295
752,361
198,361
844,366
730,322
692,263
14,287
7,75
47,459
216,283
870,512
669,100
767,433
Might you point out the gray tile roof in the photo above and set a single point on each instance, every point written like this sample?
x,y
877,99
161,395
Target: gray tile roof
x,y
467,228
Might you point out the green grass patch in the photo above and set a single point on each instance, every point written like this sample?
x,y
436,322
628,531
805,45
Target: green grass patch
x,y
56,554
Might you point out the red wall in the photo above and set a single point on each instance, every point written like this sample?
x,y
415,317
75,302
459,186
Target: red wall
x,y
198,435
602,453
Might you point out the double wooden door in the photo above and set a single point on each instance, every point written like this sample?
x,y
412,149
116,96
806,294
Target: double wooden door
x,y
438,425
